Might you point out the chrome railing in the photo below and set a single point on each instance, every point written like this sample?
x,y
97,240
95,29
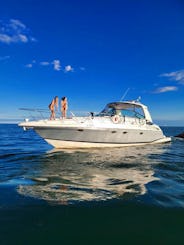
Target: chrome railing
x,y
35,114
43,114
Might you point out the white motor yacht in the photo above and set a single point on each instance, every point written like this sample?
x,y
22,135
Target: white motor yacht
x,y
120,124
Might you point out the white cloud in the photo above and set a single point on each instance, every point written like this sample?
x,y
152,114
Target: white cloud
x,y
14,31
5,38
22,38
29,65
68,68
177,76
16,24
19,38
57,66
165,89
44,63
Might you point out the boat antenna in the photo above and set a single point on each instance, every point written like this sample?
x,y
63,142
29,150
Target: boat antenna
x,y
124,94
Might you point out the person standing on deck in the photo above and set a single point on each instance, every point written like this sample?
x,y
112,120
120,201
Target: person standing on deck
x,y
64,107
52,106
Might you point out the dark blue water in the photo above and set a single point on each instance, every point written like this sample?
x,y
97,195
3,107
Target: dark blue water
x,y
131,195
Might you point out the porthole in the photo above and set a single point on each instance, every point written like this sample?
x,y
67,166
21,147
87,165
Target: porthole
x,y
113,132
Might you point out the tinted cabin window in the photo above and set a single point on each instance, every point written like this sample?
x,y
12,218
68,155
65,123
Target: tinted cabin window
x,y
133,112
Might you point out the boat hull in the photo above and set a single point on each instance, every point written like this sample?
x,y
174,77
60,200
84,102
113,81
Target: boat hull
x,y
75,144
87,138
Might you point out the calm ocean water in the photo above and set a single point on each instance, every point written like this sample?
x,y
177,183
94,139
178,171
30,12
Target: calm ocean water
x,y
131,195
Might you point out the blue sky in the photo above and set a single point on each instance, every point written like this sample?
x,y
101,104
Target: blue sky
x,y
92,52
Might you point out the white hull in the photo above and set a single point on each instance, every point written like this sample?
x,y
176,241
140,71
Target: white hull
x,y
73,144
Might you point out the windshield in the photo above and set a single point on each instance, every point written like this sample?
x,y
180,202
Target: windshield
x,y
128,111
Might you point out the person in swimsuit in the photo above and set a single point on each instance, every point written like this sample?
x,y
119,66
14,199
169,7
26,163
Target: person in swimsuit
x,y
52,106
64,106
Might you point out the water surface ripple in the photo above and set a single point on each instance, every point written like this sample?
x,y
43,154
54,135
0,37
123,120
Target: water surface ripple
x,y
152,174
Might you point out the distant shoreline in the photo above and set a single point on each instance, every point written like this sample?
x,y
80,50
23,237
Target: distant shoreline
x,y
10,121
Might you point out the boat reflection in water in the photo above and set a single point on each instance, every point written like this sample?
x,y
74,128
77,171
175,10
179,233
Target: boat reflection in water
x,y
93,175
